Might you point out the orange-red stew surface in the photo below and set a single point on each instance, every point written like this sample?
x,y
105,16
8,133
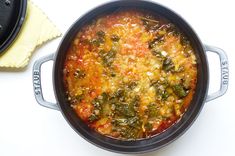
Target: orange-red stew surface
x,y
130,74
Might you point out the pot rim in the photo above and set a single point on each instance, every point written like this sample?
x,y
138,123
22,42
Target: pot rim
x,y
178,130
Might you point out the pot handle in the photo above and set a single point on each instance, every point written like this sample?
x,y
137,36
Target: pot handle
x,y
224,72
37,82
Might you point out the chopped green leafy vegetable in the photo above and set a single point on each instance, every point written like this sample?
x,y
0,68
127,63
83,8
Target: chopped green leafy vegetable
x,y
168,65
148,126
161,89
93,118
115,38
107,57
180,91
95,42
165,95
153,43
100,34
152,110
79,97
124,109
119,95
156,53
127,127
132,85
99,39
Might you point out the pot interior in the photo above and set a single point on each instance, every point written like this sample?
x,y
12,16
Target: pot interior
x,y
144,145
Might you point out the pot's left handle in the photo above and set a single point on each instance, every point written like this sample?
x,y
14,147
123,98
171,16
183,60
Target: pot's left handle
x,y
37,82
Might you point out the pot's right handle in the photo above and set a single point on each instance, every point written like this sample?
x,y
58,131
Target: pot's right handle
x,y
224,72
37,82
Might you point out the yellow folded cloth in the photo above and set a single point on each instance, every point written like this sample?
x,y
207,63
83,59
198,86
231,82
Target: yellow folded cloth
x,y
37,29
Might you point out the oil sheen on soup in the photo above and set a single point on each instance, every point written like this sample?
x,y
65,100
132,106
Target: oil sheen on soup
x,y
130,74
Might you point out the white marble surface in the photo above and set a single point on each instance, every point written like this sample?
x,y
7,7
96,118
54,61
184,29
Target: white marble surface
x,y
28,129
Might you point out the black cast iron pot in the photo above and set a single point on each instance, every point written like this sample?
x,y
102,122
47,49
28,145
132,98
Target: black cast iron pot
x,y
144,145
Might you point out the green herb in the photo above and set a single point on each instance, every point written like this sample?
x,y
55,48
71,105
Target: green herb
x,y
103,97
134,122
93,118
168,65
100,34
115,38
107,57
85,41
135,103
120,122
121,109
163,82
100,107
160,87
153,43
152,110
180,69
148,126
132,85
106,110
129,133
127,127
97,103
79,97
95,42
99,39
120,95
180,91
124,109
165,95
156,53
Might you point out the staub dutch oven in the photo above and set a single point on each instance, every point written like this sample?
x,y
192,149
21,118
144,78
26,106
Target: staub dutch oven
x,y
145,145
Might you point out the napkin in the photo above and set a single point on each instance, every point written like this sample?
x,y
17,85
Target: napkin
x,y
36,30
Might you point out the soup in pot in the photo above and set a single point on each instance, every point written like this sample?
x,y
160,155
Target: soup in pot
x,y
130,74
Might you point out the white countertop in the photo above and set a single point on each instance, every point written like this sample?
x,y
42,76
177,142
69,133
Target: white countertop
x,y
27,129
